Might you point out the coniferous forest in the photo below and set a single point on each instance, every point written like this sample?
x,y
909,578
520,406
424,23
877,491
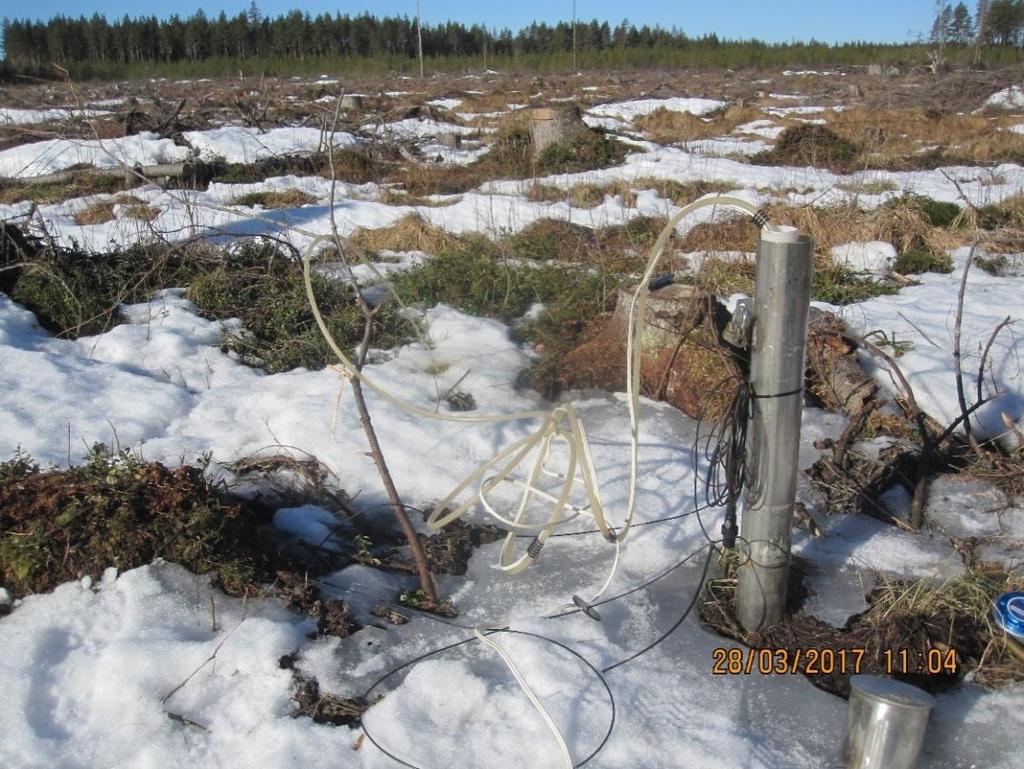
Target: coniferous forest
x,y
297,42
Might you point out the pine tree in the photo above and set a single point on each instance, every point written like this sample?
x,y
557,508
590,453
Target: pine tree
x,y
962,29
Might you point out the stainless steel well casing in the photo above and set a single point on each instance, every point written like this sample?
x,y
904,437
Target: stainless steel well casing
x,y
885,724
778,342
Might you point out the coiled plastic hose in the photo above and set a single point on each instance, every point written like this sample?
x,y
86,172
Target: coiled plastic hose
x,y
560,424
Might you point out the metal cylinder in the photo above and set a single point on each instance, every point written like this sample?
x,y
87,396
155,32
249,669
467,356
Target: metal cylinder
x,y
885,724
778,343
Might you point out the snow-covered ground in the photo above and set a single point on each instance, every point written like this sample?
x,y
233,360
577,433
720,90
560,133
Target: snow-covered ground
x,y
1008,98
52,155
237,144
14,116
88,668
627,110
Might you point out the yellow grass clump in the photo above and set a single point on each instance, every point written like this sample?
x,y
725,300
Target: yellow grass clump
x,y
410,233
128,206
289,198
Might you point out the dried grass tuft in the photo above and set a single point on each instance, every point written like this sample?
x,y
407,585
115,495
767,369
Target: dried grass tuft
x,y
127,206
410,233
289,198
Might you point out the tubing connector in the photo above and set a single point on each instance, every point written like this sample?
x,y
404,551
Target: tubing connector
x,y
535,547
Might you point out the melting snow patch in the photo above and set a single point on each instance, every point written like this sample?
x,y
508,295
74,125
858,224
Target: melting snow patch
x,y
627,110
765,128
875,256
47,157
725,147
1008,98
445,103
12,116
416,128
238,144
837,594
308,523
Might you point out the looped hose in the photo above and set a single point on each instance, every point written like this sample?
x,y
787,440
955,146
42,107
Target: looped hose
x,y
562,424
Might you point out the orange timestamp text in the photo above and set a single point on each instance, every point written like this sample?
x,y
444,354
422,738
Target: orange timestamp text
x,y
827,661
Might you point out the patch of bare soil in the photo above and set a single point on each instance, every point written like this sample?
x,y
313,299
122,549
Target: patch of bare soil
x,y
928,633
323,708
449,551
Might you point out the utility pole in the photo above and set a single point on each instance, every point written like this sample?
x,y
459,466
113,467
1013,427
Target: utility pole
x,y
779,340
419,37
574,36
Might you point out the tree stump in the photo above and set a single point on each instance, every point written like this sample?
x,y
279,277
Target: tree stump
x,y
352,101
682,360
553,125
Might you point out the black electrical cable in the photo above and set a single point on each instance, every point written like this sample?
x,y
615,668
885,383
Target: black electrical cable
x,y
724,449
597,673
661,575
678,622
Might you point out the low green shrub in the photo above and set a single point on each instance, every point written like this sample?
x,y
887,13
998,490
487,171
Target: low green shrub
x,y
920,260
117,510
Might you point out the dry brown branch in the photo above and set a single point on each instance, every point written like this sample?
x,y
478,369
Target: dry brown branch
x,y
368,312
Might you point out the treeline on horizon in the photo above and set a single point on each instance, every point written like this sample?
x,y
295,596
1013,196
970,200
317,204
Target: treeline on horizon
x,y
296,42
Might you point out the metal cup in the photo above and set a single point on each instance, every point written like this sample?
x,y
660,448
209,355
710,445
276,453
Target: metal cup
x,y
885,724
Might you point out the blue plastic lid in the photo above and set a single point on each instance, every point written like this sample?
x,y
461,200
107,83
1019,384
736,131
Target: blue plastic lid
x,y
1008,611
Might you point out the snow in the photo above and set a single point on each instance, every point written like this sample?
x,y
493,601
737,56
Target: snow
x,y
802,110
88,667
628,110
766,128
725,147
420,128
308,523
85,669
445,103
1008,98
875,257
13,116
837,594
924,315
239,144
607,123
45,157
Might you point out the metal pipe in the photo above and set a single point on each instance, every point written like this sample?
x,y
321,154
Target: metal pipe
x,y
781,300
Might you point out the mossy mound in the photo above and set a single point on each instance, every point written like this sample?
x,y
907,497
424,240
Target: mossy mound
x,y
811,145
583,150
265,289
117,510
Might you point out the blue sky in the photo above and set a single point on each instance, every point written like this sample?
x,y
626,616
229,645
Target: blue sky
x,y
773,20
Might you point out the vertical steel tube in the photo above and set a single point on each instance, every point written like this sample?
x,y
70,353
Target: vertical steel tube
x,y
781,300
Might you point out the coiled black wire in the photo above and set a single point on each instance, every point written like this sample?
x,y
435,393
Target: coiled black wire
x,y
494,631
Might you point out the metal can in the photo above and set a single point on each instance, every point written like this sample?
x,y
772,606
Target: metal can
x,y
885,723
1008,613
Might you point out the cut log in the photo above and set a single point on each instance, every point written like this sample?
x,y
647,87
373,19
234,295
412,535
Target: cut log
x,y
191,170
835,375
